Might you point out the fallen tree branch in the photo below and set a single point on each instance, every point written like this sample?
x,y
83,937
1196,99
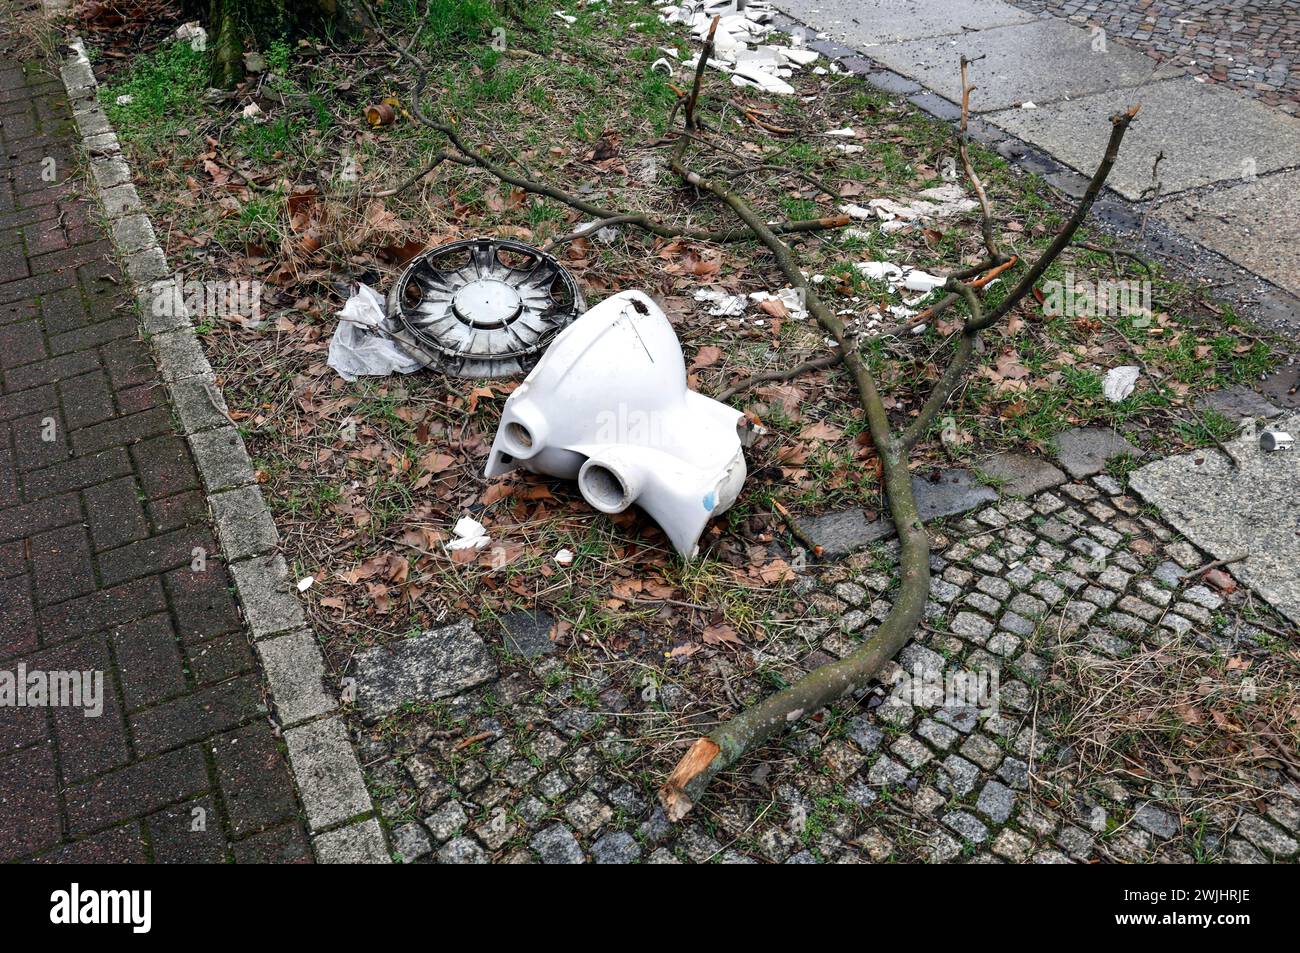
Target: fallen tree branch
x,y
736,737
731,740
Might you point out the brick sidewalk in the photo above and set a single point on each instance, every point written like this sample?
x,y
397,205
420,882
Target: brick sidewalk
x,y
102,517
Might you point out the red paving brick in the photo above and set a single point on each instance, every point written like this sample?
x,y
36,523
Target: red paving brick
x,y
100,511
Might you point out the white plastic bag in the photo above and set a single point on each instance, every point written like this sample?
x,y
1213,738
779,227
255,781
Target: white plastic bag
x,y
359,348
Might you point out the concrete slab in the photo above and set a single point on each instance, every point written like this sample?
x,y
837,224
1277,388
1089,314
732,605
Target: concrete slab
x,y
1020,474
951,493
1207,135
1084,451
434,665
528,633
867,23
1042,61
1252,509
1256,224
1238,402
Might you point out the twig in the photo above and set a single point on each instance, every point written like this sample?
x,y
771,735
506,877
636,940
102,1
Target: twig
x,y
589,229
817,363
796,530
986,217
438,159
1119,253
1216,564
694,98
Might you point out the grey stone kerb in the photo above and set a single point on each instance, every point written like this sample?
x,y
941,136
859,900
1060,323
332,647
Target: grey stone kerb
x,y
340,814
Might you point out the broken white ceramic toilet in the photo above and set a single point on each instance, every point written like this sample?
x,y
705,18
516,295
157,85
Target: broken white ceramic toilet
x,y
607,405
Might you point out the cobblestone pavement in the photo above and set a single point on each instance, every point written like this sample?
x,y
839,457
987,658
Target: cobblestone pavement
x,y
1250,46
107,558
557,761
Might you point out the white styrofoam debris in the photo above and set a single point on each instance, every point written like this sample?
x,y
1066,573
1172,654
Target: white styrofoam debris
x,y
847,132
564,557
470,534
917,280
473,542
880,270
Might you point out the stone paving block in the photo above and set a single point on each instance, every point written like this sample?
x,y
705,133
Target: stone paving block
x,y
1084,451
199,404
1020,474
268,599
296,672
141,787
327,773
244,523
1227,511
221,458
891,21
361,843
180,355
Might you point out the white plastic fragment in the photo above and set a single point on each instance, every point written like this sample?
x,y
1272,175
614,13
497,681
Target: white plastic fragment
x,y
568,20
662,65
306,583
846,133
358,348
467,527
791,299
564,557
1271,441
1119,382
917,280
125,99
880,270
904,277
